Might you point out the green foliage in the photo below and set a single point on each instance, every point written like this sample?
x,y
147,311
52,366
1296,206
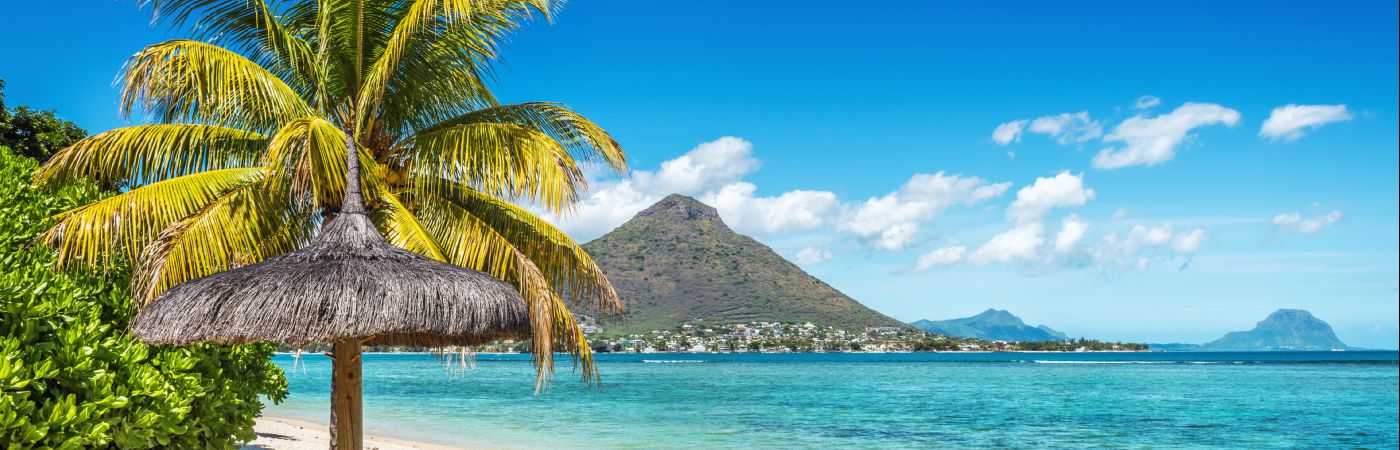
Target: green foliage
x,y
72,377
1081,343
36,134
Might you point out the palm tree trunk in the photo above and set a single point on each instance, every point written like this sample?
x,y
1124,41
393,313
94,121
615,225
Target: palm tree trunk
x,y
347,432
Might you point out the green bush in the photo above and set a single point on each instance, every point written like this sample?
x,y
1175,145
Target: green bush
x,y
71,376
35,133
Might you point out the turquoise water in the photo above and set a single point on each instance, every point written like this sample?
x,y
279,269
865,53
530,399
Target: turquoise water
x,y
919,400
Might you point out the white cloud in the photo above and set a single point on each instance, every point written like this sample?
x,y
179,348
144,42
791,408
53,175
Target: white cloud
x,y
1146,101
942,257
792,210
1296,223
1151,235
813,254
891,222
1152,141
1143,246
707,166
1064,189
712,172
1025,247
896,237
1019,243
1072,230
1067,128
1288,122
607,205
1189,242
1008,132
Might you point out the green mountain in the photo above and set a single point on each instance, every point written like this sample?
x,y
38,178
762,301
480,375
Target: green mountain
x,y
677,262
991,325
1285,329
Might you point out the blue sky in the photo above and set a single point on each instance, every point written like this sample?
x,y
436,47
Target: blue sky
x,y
860,142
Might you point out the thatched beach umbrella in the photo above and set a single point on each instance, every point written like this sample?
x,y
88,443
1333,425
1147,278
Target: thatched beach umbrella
x,y
348,288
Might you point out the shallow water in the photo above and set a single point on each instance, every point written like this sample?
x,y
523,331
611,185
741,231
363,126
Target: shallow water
x,y
912,400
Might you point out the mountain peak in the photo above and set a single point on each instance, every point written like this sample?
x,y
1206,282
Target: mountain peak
x,y
992,324
999,317
1284,329
680,207
993,312
676,262
1289,315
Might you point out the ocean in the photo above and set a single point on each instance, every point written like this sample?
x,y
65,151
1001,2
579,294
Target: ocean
x,y
891,400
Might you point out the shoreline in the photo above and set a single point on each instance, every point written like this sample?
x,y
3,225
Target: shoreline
x,y
282,433
818,353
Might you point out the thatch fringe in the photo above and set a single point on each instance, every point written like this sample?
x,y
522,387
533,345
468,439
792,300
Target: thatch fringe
x,y
349,283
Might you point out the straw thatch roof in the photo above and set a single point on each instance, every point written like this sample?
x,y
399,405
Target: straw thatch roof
x,y
348,284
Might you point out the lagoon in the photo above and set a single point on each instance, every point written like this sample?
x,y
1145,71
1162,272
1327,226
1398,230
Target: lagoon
x,y
892,400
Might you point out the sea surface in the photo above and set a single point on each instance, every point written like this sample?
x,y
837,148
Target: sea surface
x,y
892,400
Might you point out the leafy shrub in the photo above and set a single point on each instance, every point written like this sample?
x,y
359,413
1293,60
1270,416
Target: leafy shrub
x,y
35,133
71,376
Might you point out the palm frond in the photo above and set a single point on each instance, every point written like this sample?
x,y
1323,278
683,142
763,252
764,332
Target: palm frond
x,y
122,225
310,152
569,269
472,243
421,24
229,232
145,154
250,27
440,77
195,82
401,228
502,160
298,231
585,140
350,34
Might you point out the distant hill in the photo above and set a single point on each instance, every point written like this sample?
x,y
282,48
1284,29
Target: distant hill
x,y
677,262
1285,329
992,325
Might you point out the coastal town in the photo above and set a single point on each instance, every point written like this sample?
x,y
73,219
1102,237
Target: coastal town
x,y
776,337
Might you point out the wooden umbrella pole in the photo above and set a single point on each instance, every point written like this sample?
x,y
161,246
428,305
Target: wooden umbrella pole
x,y
347,431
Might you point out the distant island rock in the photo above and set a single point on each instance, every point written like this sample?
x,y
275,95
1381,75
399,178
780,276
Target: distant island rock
x,y
991,325
677,263
1283,330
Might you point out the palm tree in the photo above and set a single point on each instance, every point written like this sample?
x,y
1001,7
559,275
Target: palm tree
x,y
246,157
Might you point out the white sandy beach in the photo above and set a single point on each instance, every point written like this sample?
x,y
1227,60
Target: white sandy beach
x,y
276,433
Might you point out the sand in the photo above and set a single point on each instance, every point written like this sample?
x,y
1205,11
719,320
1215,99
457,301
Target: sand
x,y
276,433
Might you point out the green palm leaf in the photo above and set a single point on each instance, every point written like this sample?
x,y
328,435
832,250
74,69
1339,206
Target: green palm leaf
x,y
584,139
229,232
470,242
563,261
146,154
503,160
196,82
249,27
122,225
